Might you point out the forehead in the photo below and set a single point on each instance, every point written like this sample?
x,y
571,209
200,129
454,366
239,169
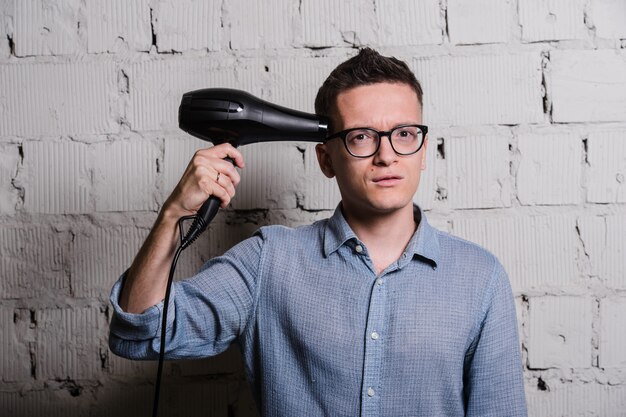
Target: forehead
x,y
380,105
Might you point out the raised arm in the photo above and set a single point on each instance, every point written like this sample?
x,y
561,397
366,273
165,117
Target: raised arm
x,y
208,174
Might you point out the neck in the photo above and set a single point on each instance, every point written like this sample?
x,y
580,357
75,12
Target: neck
x,y
386,235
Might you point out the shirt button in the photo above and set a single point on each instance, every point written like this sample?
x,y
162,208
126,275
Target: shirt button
x,y
379,281
375,335
370,392
358,248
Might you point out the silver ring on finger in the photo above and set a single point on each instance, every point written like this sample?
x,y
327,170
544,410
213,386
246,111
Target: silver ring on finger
x,y
218,177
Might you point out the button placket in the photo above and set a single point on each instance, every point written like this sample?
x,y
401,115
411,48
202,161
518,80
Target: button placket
x,y
374,348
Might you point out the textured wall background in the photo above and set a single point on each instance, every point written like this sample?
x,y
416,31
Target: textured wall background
x,y
526,103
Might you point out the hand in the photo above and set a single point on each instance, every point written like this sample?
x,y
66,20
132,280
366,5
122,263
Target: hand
x,y
207,174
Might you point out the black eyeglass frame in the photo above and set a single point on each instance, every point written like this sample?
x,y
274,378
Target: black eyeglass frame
x,y
344,133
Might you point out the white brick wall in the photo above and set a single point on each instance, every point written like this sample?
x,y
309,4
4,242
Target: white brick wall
x,y
526,105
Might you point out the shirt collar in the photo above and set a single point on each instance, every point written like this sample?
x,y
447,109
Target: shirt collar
x,y
424,243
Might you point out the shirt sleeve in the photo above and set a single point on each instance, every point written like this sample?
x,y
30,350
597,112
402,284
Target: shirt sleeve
x,y
206,313
493,380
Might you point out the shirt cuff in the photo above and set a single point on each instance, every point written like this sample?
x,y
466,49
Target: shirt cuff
x,y
143,326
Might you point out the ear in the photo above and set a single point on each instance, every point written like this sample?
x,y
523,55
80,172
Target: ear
x,y
323,158
424,146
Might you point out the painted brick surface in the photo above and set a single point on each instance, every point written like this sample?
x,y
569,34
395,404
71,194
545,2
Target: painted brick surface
x,y
321,192
481,89
537,251
56,177
189,24
257,24
606,181
605,246
69,343
478,172
330,23
57,98
564,399
469,24
609,18
270,178
540,251
47,28
15,358
406,22
33,262
612,343
9,162
559,332
99,255
588,86
551,20
125,175
114,23
550,171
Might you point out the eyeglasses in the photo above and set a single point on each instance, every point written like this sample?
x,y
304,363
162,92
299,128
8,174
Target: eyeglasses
x,y
363,142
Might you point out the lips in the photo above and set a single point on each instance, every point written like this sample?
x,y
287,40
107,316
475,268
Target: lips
x,y
388,179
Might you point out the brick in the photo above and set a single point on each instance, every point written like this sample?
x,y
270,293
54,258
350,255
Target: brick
x,y
571,399
57,98
427,188
177,155
271,176
9,162
538,252
407,22
128,399
588,86
257,24
551,20
47,28
550,170
100,256
606,158
604,244
113,22
316,192
188,24
478,172
469,24
328,23
294,82
481,89
125,175
612,344
609,18
52,403
15,360
56,177
6,33
559,332
42,272
156,87
69,343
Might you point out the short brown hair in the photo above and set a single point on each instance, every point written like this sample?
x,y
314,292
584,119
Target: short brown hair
x,y
368,67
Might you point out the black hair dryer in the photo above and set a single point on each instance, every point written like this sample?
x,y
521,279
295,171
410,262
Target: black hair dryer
x,y
220,115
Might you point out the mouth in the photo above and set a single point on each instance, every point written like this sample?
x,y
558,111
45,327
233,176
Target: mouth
x,y
387,180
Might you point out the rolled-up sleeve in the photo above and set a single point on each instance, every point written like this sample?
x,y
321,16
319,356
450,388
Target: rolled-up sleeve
x,y
206,313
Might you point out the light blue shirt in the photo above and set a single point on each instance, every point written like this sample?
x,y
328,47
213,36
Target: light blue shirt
x,y
435,334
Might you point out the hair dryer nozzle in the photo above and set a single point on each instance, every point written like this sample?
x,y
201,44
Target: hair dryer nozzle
x,y
221,115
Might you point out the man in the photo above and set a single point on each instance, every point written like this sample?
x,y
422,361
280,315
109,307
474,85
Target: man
x,y
371,312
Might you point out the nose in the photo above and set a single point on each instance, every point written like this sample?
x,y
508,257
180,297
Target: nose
x,y
385,154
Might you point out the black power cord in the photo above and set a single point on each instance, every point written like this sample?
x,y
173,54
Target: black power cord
x,y
200,222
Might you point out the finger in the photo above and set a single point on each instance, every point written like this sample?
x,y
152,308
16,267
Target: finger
x,y
224,150
227,169
225,182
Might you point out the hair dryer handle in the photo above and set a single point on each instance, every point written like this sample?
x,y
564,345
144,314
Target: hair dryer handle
x,y
203,217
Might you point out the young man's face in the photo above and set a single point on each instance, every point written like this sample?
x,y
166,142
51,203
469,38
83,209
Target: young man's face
x,y
385,182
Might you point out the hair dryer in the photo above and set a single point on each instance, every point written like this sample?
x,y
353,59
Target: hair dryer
x,y
220,115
